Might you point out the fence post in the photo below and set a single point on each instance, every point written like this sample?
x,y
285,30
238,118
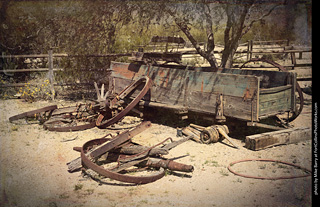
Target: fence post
x,y
251,48
248,48
50,74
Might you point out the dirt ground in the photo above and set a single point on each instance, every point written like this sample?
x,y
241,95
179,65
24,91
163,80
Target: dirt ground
x,y
34,171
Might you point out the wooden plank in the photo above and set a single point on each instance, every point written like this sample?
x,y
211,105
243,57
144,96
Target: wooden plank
x,y
56,84
27,56
269,79
29,70
136,149
278,52
274,89
167,39
51,75
305,78
266,126
161,105
293,58
238,108
258,42
269,139
222,83
275,102
293,81
65,55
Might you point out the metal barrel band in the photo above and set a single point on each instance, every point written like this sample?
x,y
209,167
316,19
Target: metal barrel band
x,y
269,178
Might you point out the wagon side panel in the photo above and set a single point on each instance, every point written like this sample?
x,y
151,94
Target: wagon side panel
x,y
197,91
239,94
275,100
168,84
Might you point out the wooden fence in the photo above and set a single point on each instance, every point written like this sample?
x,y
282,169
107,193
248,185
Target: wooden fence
x,y
252,48
50,70
277,47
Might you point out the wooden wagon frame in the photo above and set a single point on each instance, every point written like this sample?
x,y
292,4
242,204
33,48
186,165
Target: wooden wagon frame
x,y
249,95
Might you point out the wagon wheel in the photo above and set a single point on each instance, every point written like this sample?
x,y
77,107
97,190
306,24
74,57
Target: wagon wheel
x,y
73,118
41,114
122,104
299,105
113,172
209,135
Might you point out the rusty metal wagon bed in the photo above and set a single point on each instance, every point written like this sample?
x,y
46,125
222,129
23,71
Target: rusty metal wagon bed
x,y
249,95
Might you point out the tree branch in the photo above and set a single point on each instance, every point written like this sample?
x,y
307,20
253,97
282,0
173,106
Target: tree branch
x,y
248,27
235,20
182,24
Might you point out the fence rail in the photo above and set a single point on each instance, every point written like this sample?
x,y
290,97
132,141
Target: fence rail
x,y
64,55
263,48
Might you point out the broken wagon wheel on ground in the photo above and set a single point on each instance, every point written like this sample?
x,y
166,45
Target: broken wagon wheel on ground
x,y
63,125
101,96
299,106
209,135
87,162
39,114
73,118
117,110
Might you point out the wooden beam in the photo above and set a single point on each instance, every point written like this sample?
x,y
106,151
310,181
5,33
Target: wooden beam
x,y
37,85
29,70
266,126
269,139
65,55
305,78
50,74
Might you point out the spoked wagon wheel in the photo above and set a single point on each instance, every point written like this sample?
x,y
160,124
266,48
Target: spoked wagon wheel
x,y
73,118
116,172
41,114
299,95
122,104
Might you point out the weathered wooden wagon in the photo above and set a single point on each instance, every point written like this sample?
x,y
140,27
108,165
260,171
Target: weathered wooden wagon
x,y
249,95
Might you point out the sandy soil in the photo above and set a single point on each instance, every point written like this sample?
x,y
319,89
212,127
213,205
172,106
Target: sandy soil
x,y
34,172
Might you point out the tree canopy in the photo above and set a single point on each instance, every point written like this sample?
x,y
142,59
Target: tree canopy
x,y
101,26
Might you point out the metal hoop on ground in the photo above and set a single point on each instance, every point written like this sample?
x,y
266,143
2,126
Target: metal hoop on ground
x,y
269,178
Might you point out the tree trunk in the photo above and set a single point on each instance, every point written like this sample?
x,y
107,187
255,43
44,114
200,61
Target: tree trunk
x,y
207,54
3,11
227,56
